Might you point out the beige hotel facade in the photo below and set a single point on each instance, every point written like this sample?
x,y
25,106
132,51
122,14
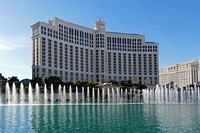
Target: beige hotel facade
x,y
75,52
182,75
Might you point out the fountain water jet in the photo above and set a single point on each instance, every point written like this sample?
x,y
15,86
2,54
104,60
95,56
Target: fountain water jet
x,y
14,94
98,96
76,94
88,94
118,95
30,94
126,95
108,94
22,93
103,95
158,95
70,94
83,94
121,96
37,94
52,94
64,95
130,95
93,95
113,95
45,94
60,94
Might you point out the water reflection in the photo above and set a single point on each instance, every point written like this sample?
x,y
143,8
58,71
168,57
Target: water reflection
x,y
101,118
183,118
15,119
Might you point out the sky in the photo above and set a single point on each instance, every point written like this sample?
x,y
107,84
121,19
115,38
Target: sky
x,y
174,24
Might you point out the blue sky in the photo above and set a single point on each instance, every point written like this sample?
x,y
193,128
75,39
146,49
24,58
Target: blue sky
x,y
174,24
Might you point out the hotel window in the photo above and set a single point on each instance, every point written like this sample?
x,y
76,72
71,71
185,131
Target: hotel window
x,y
150,64
71,76
109,63
55,72
87,77
81,60
129,64
43,30
43,70
61,73
91,61
114,63
119,63
66,74
145,64
140,64
55,54
71,57
49,71
102,78
82,76
124,63
76,59
61,56
102,61
91,77
66,56
134,64
43,40
120,78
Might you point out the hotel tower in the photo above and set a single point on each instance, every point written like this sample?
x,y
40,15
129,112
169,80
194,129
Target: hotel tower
x,y
73,52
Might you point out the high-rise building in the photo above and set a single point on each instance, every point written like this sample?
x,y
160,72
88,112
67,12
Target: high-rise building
x,y
75,52
183,75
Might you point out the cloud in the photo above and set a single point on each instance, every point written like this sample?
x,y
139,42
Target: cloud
x,y
9,42
4,47
24,40
15,66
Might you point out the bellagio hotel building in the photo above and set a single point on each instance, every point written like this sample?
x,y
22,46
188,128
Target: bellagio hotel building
x,y
73,52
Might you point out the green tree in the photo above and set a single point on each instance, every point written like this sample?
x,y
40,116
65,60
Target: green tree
x,y
78,83
114,82
3,82
12,80
84,84
129,83
126,84
70,83
140,86
38,80
56,81
92,84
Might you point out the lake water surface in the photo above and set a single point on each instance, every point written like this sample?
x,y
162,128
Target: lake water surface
x,y
92,118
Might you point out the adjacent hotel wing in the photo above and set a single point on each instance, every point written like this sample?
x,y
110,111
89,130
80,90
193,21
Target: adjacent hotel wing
x,y
184,74
75,52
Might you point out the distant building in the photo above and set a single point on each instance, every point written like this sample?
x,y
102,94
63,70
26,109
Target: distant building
x,y
75,52
181,74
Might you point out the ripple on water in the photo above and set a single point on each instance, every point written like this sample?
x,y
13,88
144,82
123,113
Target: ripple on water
x,y
100,118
